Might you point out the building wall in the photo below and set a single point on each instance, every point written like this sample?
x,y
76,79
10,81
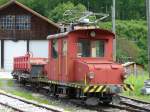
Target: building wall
x,y
135,70
13,49
15,41
39,27
39,48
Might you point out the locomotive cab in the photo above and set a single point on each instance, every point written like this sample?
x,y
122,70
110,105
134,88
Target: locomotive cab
x,y
94,63
82,59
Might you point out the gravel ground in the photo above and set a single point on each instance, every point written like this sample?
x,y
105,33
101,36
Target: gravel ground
x,y
21,105
6,75
65,104
5,109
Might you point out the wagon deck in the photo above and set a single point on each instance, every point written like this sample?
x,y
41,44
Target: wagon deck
x,y
24,63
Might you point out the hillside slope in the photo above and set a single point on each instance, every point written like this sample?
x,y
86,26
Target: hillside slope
x,y
131,39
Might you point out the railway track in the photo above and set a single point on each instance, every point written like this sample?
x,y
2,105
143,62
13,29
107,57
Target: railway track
x,y
22,105
15,109
141,106
126,105
130,105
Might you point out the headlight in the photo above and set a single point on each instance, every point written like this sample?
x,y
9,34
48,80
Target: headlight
x,y
91,75
92,34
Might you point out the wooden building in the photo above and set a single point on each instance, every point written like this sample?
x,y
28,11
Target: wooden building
x,y
134,68
22,30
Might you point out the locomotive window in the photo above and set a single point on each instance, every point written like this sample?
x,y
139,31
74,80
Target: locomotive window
x,y
90,48
84,48
54,49
97,48
64,47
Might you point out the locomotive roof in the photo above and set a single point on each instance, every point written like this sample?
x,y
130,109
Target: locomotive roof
x,y
61,35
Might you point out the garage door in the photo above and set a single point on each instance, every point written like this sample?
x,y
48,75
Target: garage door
x,y
39,48
11,50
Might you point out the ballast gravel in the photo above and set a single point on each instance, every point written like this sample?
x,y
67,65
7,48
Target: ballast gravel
x,y
21,105
6,109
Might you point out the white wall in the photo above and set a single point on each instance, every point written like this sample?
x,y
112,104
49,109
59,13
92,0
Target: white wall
x,y
11,50
39,48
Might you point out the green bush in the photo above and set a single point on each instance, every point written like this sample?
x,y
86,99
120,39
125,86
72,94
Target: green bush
x,y
131,39
138,82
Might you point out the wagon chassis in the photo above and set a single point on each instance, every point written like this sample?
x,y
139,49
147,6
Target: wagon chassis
x,y
71,90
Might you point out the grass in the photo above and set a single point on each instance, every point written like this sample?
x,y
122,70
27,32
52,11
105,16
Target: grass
x,y
8,86
1,84
138,82
29,96
10,83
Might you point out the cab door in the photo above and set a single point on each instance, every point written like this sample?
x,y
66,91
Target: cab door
x,y
64,63
54,60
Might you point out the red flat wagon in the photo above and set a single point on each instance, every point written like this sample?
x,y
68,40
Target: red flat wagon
x,y
33,66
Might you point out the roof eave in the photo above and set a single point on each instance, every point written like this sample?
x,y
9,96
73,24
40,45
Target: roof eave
x,y
55,36
30,10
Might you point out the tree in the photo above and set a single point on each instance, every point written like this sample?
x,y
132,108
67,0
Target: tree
x,y
131,39
125,9
40,6
57,14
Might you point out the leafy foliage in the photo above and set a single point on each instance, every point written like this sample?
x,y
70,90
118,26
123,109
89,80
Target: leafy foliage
x,y
58,12
131,39
125,9
138,82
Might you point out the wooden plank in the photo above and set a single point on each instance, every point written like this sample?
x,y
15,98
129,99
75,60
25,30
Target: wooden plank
x,y
2,53
28,45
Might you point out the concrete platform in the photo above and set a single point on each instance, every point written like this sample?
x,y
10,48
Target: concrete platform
x,y
6,75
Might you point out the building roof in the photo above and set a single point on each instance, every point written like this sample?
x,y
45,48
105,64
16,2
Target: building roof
x,y
128,64
29,10
61,35
131,63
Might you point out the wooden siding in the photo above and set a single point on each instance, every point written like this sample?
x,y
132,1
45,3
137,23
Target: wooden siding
x,y
39,27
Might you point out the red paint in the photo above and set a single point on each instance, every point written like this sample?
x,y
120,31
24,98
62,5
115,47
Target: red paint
x,y
24,63
70,68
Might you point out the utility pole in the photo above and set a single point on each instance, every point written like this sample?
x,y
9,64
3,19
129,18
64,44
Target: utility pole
x,y
114,29
146,89
148,34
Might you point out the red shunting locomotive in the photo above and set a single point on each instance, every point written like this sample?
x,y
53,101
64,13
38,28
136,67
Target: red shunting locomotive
x,y
80,65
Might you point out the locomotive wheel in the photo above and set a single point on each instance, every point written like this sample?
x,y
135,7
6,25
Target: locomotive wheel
x,y
92,101
116,99
19,78
72,93
53,90
106,102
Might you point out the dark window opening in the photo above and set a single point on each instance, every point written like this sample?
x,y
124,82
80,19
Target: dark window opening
x,y
54,48
91,48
